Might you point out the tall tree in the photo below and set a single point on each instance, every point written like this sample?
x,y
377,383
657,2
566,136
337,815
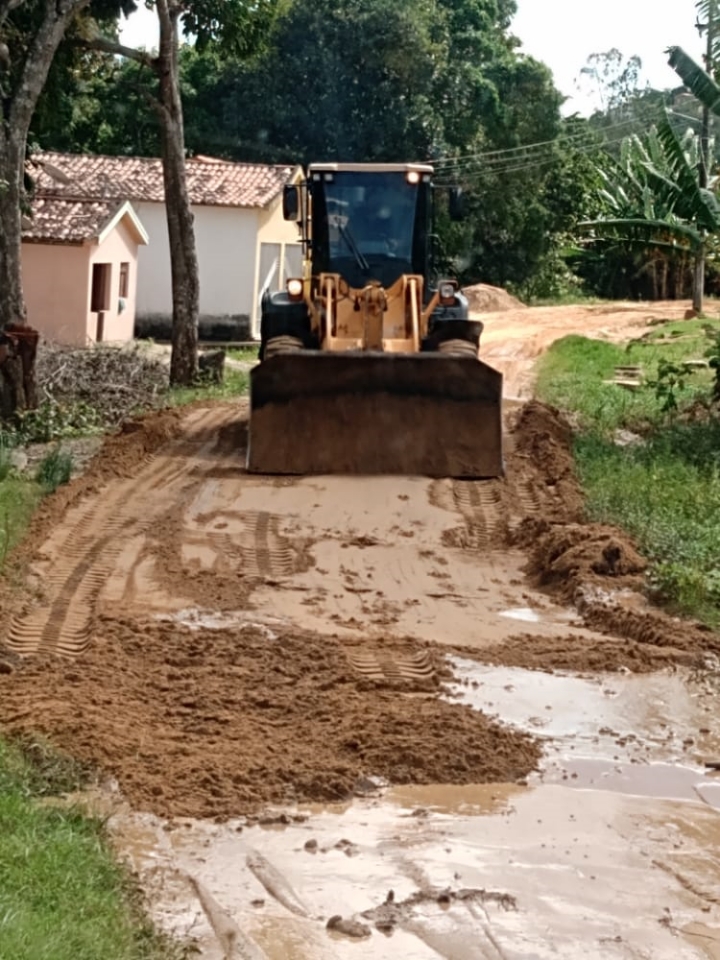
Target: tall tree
x,y
30,33
237,25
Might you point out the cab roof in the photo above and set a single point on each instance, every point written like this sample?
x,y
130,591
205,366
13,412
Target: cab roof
x,y
369,168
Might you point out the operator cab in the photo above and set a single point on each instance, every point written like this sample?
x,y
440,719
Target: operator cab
x,y
369,222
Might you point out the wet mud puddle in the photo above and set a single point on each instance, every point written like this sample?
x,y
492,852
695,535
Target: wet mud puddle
x,y
610,851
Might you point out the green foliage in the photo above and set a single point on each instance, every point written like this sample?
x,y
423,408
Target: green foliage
x,y
18,499
52,421
654,216
54,470
551,281
62,896
614,79
666,494
669,383
243,354
5,463
713,355
235,384
34,768
571,376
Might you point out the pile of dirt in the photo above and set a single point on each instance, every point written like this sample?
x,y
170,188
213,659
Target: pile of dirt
x,y
573,556
483,298
651,627
215,723
112,382
540,465
532,652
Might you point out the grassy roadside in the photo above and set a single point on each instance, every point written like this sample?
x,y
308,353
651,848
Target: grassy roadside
x,y
62,895
656,473
18,499
236,383
243,354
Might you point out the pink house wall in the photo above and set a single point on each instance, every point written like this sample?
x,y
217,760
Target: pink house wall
x,y
55,280
120,246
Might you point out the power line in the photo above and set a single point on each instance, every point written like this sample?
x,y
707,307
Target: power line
x,y
516,164
462,159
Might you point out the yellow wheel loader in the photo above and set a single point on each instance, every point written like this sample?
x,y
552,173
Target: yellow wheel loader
x,y
366,366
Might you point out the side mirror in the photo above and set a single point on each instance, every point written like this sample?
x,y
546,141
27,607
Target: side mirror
x,y
457,204
291,202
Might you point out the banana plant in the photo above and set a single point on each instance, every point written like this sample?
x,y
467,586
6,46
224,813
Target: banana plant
x,y
651,195
702,83
654,209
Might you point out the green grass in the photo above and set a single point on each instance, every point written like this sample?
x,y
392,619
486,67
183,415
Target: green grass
x,y
235,384
665,489
18,499
62,896
54,470
244,354
571,374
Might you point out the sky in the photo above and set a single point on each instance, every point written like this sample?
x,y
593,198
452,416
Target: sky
x,y
563,34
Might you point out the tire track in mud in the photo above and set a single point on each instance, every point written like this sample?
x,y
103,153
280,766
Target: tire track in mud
x,y
86,556
481,506
260,549
381,667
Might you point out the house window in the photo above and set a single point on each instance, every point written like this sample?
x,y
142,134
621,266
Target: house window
x,y
124,280
100,290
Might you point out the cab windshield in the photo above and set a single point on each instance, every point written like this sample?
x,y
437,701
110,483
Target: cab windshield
x,y
370,224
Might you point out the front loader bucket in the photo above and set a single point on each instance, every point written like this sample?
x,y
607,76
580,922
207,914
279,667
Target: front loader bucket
x,y
424,414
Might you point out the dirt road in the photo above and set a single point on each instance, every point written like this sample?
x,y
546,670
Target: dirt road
x,y
216,642
513,339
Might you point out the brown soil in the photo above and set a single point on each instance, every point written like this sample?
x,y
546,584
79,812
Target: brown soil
x,y
212,723
486,299
565,653
514,339
216,640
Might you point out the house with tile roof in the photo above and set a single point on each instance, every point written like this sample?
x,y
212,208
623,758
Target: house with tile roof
x,y
79,262
244,245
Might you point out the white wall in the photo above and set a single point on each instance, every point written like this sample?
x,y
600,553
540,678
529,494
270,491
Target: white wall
x,y
226,239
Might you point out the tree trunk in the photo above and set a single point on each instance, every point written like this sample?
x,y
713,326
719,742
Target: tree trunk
x,y
699,281
12,157
18,344
183,254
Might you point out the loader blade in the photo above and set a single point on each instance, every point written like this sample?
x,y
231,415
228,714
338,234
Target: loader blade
x,y
424,414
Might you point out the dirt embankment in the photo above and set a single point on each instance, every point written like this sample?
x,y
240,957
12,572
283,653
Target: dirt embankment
x,y
594,567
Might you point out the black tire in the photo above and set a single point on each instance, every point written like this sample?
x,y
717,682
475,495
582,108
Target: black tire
x,y
458,348
280,345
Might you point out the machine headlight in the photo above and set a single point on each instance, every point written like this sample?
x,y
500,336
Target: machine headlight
x,y
294,289
413,176
446,290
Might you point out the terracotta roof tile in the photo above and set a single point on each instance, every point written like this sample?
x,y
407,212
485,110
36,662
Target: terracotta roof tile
x,y
210,182
67,221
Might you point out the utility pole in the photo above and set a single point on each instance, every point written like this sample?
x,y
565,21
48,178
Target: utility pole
x,y
704,165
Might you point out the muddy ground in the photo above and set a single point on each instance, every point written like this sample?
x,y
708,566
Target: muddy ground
x,y
215,642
